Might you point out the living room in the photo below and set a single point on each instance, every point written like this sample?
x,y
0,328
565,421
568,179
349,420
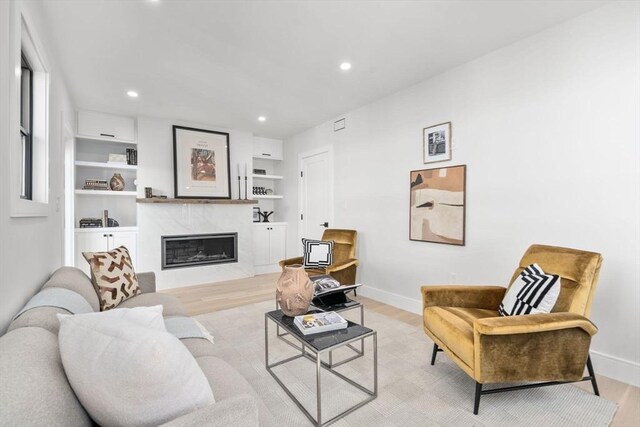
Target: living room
x,y
531,94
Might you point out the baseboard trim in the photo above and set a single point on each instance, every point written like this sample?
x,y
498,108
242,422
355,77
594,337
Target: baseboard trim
x,y
610,366
398,301
614,367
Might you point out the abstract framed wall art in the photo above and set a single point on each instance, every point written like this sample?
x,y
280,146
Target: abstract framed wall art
x,y
436,143
201,164
438,204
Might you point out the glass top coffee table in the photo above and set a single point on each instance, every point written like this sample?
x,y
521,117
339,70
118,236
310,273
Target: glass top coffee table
x,y
312,347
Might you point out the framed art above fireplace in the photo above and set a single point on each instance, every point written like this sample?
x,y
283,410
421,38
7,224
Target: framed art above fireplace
x,y
201,164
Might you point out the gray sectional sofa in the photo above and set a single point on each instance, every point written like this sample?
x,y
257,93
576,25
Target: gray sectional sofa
x,y
35,390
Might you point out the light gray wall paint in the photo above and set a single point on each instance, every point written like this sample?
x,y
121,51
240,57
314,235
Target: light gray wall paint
x,y
30,248
549,130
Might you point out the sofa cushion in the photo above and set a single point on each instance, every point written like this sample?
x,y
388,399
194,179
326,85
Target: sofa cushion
x,y
171,305
41,317
454,327
75,280
35,390
199,347
112,276
126,374
226,382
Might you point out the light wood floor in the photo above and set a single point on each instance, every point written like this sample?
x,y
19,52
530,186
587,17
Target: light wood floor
x,y
224,295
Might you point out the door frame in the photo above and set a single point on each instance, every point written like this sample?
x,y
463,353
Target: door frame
x,y
328,149
68,154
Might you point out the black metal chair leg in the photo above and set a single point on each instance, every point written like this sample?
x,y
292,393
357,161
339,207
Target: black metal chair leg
x,y
434,354
476,402
592,374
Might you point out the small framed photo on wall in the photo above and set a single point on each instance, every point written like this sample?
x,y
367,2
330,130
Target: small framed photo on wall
x,y
436,142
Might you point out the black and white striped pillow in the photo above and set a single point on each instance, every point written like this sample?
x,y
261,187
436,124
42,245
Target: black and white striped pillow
x,y
532,292
317,253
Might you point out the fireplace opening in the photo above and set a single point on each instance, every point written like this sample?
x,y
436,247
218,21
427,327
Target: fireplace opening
x,y
199,249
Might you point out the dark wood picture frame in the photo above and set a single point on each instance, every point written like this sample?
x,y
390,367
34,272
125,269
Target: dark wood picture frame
x,y
437,198
214,170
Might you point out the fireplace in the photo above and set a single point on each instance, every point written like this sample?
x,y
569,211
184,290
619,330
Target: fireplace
x,y
199,249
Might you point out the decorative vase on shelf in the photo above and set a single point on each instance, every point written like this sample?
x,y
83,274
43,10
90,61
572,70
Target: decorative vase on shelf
x,y
294,290
117,182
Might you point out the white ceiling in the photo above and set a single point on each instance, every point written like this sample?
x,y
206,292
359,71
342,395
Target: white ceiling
x,y
225,63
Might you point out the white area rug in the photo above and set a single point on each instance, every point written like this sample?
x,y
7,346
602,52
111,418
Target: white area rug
x,y
411,392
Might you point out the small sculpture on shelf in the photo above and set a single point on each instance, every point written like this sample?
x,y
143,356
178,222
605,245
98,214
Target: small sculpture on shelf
x,y
265,215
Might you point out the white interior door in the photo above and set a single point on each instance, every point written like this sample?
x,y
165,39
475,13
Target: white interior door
x,y
316,192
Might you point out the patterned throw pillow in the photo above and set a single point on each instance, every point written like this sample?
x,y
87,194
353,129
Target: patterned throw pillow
x,y
532,292
112,276
317,253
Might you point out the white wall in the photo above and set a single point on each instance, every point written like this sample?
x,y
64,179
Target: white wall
x,y
30,248
155,169
549,128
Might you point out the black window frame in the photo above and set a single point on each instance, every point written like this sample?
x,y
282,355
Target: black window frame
x,y
26,128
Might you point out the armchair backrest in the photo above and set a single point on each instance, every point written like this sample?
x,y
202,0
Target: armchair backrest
x,y
345,243
578,271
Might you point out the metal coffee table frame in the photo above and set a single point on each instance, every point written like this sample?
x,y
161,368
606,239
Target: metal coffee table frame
x,y
359,352
372,394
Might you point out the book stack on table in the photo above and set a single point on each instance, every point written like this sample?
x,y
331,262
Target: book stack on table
x,y
319,322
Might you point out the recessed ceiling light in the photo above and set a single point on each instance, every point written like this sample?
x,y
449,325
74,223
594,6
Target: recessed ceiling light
x,y
262,119
345,66
132,94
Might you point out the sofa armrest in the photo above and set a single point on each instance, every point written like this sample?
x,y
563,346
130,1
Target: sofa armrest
x,y
291,261
237,411
532,323
342,265
486,297
147,282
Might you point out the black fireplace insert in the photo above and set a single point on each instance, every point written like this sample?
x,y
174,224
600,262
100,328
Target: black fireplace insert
x,y
199,249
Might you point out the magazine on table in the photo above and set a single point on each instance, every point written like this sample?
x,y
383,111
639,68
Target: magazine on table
x,y
326,284
319,322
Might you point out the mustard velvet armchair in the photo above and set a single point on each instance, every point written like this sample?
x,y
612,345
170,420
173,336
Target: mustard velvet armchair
x,y
344,265
548,349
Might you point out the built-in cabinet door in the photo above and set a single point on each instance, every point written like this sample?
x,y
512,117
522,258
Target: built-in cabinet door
x,y
106,126
260,245
128,239
267,148
89,242
277,243
269,246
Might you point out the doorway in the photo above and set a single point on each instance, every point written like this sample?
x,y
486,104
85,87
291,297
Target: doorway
x,y
315,194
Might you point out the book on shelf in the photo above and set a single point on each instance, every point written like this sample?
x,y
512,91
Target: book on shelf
x,y
95,184
132,156
319,322
325,284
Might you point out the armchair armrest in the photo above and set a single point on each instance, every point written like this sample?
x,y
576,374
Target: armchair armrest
x,y
508,325
147,282
486,297
237,411
291,261
342,265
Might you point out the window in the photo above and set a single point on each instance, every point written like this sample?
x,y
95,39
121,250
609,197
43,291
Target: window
x,y
29,182
26,129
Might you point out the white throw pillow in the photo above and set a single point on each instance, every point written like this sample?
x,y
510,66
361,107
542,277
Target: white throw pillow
x,y
127,373
532,292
